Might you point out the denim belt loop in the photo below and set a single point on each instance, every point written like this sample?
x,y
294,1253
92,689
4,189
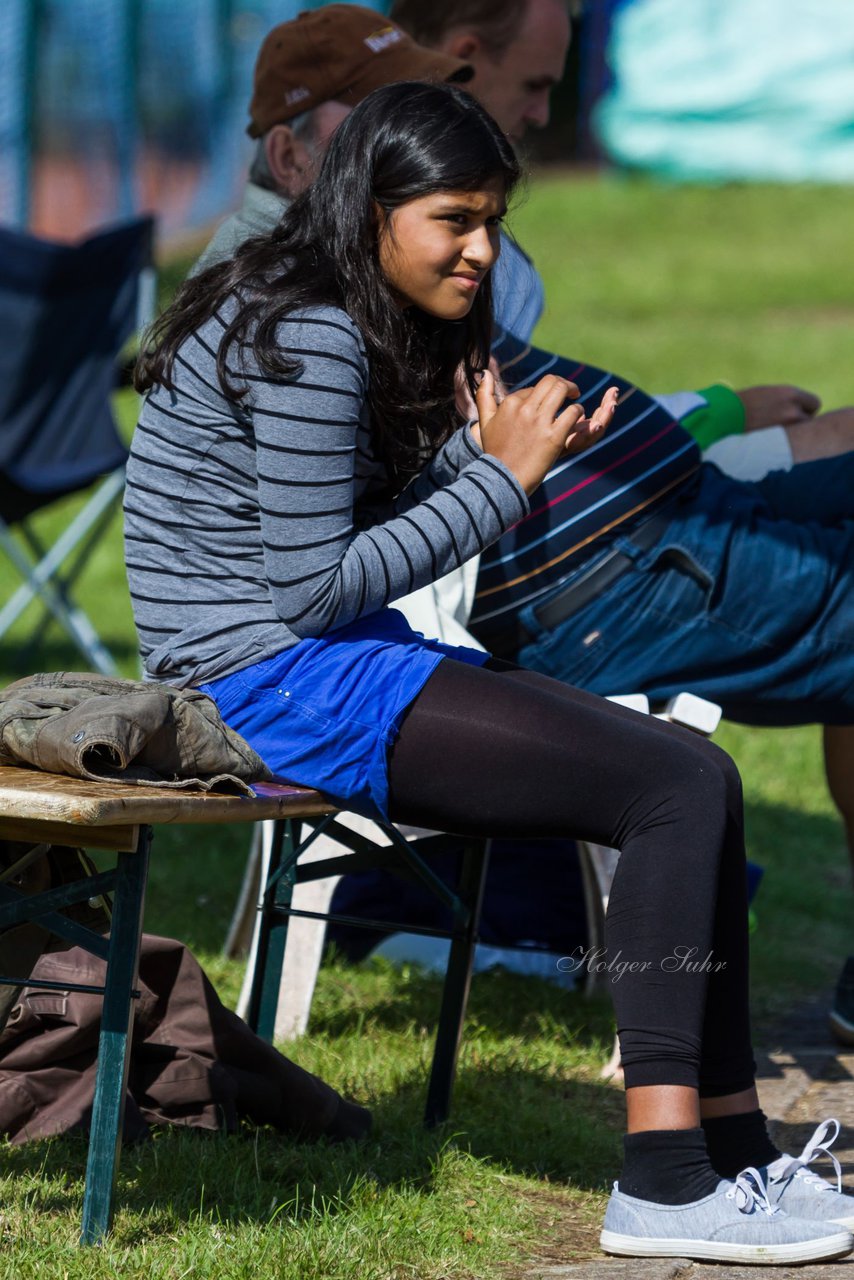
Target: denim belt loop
x,y
611,567
584,587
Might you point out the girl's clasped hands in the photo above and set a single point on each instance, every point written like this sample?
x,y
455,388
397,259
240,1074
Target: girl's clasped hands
x,y
530,430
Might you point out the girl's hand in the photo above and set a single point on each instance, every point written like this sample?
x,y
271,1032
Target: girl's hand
x,y
466,406
529,432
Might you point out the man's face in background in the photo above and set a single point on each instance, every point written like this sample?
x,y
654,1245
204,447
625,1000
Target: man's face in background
x,y
515,85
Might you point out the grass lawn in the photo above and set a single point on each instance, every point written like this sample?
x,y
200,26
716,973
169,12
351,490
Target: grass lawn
x,y
676,287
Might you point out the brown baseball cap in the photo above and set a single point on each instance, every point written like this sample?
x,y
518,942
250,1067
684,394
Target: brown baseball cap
x,y
339,52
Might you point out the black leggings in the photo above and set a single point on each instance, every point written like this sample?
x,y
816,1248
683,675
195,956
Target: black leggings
x,y
500,750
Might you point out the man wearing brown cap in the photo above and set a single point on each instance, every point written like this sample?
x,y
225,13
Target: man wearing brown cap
x,y
310,74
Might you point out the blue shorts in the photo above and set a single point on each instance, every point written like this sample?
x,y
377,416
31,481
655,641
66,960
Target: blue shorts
x,y
324,713
746,599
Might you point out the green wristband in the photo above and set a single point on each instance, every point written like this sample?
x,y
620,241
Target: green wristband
x,y
722,415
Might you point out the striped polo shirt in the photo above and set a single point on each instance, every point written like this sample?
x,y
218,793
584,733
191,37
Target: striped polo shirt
x,y
585,500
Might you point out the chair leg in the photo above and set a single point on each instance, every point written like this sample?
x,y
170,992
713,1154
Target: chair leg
x,y
457,982
598,864
305,937
39,579
105,1141
303,954
272,932
83,631
240,937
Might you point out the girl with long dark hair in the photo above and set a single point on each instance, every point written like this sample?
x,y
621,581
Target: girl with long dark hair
x,y
298,466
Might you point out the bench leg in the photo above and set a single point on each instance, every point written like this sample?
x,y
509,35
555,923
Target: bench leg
x,y
114,1046
273,932
457,982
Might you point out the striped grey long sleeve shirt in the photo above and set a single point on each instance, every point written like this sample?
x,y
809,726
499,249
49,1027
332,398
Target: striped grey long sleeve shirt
x,y
250,525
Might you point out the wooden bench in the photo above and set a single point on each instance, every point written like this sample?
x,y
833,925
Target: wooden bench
x,y
45,808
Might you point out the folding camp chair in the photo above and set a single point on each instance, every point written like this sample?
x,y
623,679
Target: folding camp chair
x,y
66,311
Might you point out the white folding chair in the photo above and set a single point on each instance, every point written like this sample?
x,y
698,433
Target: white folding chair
x,y
306,935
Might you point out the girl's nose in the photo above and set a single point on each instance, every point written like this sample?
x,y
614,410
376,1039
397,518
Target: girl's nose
x,y
480,249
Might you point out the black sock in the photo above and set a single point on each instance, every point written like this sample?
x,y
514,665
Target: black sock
x,y
667,1166
734,1142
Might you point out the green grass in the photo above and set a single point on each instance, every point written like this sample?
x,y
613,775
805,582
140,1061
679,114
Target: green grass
x,y
675,288
681,286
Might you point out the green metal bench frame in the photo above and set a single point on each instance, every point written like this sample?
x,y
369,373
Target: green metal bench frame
x,y
45,808
408,860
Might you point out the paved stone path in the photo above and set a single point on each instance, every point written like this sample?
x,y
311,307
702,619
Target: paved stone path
x,y
797,1088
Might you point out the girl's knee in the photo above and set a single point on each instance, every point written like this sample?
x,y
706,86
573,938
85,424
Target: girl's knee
x,y
701,777
728,770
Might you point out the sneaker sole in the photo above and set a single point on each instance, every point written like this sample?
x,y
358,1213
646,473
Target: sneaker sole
x,y
841,1027
835,1246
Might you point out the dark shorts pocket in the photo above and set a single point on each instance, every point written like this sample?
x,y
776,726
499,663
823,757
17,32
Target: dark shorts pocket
x,y
609,646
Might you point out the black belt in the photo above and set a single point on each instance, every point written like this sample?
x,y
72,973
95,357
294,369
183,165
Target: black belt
x,y
578,593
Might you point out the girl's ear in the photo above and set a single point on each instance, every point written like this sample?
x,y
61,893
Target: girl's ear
x,y
381,218
382,222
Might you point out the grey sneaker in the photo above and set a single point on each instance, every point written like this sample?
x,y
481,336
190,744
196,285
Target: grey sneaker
x,y
804,1194
842,1013
736,1223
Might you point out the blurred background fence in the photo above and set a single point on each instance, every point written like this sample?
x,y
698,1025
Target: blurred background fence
x,y
109,106
112,106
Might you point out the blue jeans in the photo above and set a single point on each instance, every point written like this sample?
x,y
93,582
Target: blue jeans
x,y
747,599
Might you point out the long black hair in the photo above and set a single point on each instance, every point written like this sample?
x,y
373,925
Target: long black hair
x,y
402,142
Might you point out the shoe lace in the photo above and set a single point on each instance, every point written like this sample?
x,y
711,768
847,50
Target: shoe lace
x,y
819,1145
749,1193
